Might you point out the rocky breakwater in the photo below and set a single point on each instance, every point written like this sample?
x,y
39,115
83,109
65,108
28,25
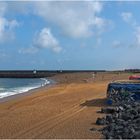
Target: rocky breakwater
x,y
122,120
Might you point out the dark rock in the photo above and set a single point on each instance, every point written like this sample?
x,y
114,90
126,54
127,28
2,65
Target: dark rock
x,y
99,111
93,129
119,127
137,128
118,137
101,129
109,110
134,112
136,116
101,121
109,135
111,127
121,108
138,109
137,135
123,118
120,121
109,118
137,121
105,132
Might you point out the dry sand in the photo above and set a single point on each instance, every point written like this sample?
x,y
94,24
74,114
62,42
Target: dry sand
x,y
67,110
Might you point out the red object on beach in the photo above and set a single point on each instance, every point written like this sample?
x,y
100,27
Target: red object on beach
x,y
134,77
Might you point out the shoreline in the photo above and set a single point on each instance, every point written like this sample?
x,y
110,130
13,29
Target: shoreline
x,y
30,92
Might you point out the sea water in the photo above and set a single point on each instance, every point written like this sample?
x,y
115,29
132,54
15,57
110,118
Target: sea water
x,y
12,86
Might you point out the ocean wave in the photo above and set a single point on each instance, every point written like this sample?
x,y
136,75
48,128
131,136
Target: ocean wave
x,y
6,94
1,89
19,90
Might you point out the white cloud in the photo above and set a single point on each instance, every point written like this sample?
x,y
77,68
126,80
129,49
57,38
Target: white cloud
x,y
29,50
75,19
6,26
137,34
117,43
6,29
129,18
22,7
45,39
3,8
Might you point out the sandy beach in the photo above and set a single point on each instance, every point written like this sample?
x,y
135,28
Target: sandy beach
x,y
66,110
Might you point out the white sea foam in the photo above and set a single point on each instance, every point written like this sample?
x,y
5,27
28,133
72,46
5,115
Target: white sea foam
x,y
46,81
19,90
1,88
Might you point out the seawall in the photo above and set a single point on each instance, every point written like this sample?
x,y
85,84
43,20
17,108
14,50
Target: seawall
x,y
37,73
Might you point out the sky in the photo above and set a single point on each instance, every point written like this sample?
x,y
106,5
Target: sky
x,y
69,35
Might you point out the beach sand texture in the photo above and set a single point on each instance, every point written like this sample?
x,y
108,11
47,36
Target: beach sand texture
x,y
66,110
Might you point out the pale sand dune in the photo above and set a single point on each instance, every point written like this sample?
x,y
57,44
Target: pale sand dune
x,y
66,110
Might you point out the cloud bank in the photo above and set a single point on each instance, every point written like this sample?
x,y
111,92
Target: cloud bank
x,y
75,19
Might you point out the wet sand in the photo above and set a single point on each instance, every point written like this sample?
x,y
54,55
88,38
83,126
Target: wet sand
x,y
66,111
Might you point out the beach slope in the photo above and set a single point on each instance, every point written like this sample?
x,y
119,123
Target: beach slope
x,y
65,110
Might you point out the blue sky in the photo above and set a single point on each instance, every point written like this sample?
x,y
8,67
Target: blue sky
x,y
82,35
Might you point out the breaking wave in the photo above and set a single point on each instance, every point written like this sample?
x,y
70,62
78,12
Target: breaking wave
x,y
8,86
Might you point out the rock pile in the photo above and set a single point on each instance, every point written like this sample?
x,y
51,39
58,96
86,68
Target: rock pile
x,y
122,120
